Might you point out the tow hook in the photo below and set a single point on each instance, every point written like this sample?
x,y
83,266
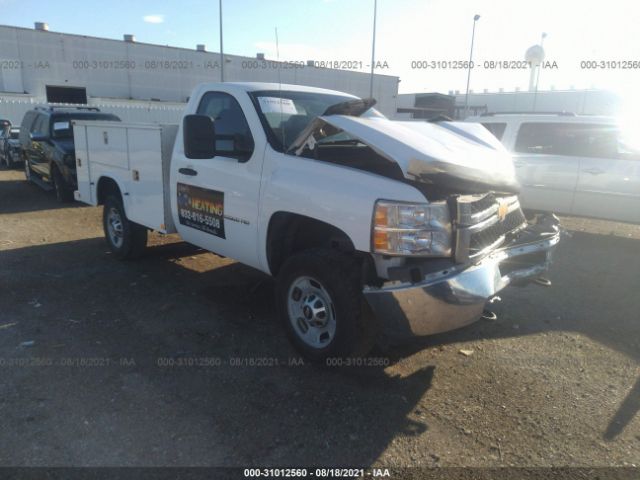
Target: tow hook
x,y
543,282
488,314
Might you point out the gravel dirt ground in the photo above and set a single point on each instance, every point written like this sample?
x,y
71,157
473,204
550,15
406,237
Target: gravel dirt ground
x,y
97,361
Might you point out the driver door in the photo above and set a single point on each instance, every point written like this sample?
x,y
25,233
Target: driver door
x,y
217,198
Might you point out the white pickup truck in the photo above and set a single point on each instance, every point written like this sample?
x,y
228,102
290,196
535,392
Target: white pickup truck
x,y
370,226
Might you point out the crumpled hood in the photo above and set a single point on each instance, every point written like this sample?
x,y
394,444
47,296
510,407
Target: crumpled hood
x,y
457,156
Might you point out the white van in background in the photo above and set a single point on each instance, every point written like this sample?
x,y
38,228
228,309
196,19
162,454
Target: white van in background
x,y
572,164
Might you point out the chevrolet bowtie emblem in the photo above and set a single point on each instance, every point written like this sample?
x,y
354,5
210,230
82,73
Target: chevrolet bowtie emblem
x,y
503,209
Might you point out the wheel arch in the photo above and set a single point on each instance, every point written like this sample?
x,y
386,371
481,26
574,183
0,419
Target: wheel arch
x,y
105,186
289,233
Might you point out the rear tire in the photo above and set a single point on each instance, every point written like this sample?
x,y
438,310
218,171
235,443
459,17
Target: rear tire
x,y
64,192
320,302
126,240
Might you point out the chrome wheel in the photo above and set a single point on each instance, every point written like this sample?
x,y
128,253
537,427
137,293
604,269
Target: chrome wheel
x,y
115,227
311,312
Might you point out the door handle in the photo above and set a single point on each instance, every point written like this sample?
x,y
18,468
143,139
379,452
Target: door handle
x,y
188,171
594,171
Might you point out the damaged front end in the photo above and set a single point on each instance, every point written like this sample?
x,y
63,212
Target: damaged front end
x,y
489,243
455,296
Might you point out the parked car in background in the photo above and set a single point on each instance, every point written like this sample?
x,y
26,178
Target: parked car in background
x,y
572,164
46,142
5,126
10,147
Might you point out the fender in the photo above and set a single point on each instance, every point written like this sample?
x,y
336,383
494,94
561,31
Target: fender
x,y
121,186
342,197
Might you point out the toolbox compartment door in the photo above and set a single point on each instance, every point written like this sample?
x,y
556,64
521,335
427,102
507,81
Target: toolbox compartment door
x,y
108,144
145,202
84,193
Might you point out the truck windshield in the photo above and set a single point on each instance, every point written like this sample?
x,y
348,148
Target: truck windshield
x,y
61,124
285,114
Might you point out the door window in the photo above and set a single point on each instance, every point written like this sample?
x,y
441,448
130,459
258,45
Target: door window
x,y
628,145
570,139
233,135
27,121
41,125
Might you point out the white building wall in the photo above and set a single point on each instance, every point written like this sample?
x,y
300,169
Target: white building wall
x,y
99,65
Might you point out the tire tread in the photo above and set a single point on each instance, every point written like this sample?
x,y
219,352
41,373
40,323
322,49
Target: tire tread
x,y
135,236
341,275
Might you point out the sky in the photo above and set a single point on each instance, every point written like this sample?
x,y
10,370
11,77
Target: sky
x,y
408,31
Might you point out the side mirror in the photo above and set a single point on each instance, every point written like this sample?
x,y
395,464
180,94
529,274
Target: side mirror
x,y
243,147
38,137
199,135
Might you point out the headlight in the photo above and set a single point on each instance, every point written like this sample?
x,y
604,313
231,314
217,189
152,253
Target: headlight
x,y
412,229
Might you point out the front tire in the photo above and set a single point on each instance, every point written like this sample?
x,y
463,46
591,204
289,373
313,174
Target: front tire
x,y
320,302
126,240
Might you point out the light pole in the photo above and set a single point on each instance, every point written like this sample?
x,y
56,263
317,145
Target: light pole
x,y
476,17
373,47
535,92
221,47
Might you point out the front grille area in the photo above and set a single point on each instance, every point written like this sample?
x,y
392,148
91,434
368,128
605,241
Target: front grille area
x,y
490,235
484,222
482,204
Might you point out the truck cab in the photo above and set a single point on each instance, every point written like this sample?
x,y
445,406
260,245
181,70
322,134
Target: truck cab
x,y
369,226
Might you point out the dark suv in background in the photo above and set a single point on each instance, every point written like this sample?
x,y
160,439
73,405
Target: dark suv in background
x,y
46,139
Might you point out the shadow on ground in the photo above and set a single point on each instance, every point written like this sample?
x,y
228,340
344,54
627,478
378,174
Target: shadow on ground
x,y
20,196
192,396
177,405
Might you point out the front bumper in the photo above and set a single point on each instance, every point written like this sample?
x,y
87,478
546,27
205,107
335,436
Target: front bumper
x,y
456,297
